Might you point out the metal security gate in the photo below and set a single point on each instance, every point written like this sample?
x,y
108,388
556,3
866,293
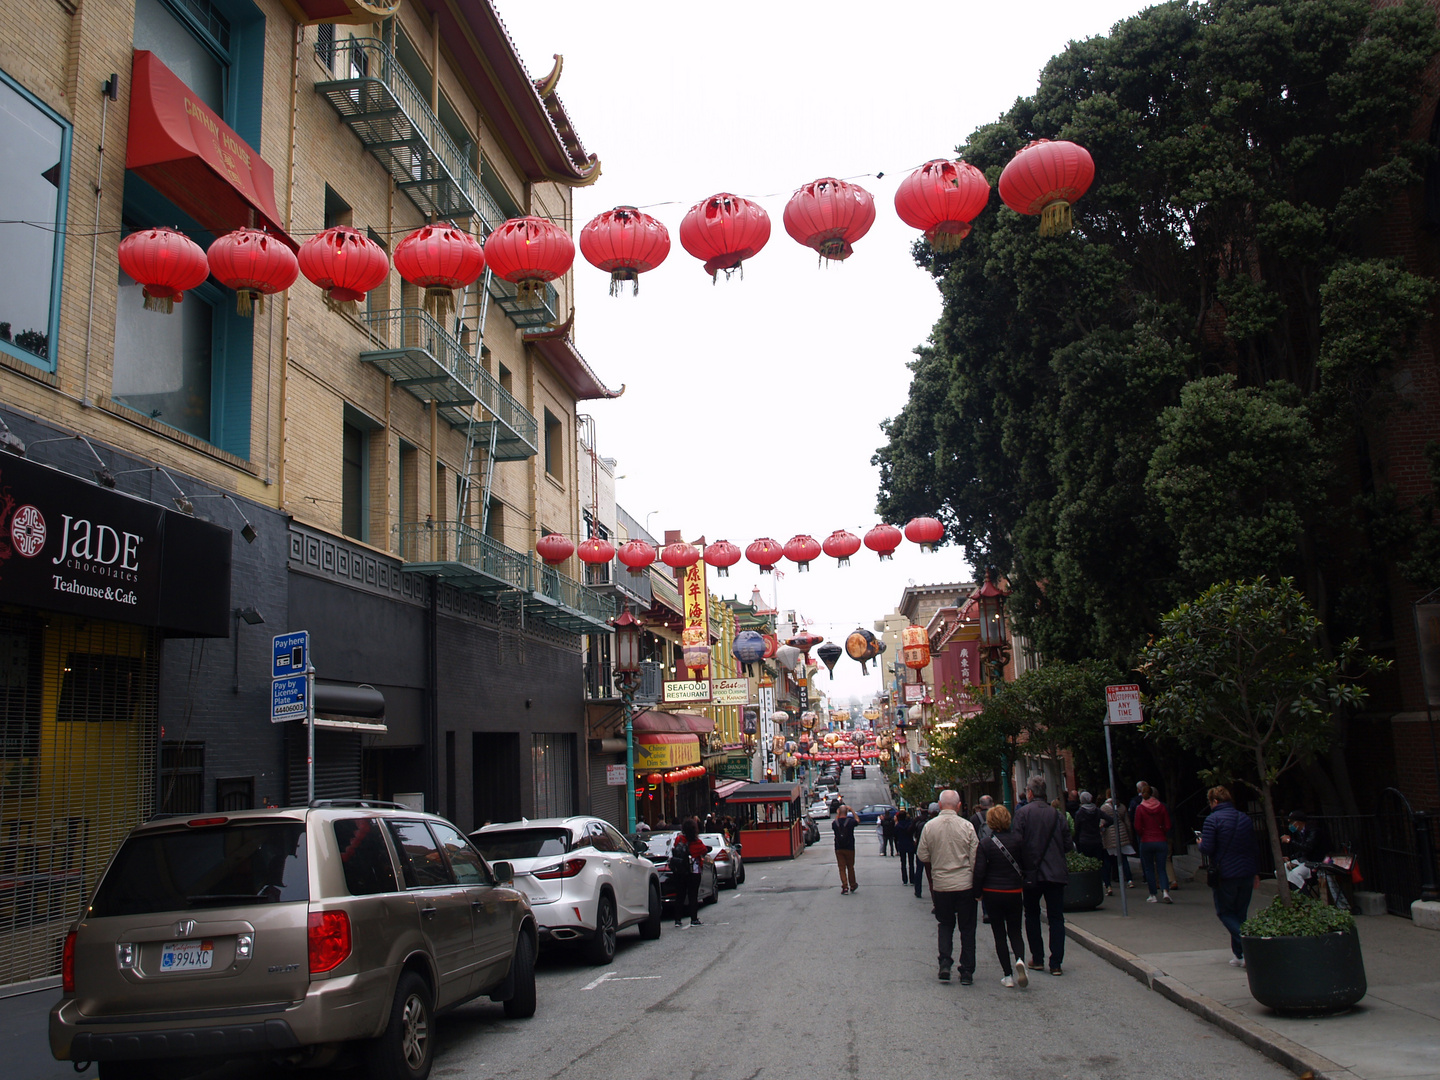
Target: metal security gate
x,y
606,801
337,764
1399,864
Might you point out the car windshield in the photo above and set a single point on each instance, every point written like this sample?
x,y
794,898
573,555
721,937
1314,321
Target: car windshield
x,y
714,839
511,844
661,843
238,863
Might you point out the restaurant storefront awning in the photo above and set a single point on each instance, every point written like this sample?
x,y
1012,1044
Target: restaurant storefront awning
x,y
654,720
666,750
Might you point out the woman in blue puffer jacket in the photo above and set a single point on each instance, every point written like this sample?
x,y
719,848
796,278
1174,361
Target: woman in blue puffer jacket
x,y
1227,841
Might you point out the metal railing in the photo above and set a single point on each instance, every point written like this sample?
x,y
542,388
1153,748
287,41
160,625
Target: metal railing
x,y
541,309
416,328
616,575
452,542
501,404
600,681
568,592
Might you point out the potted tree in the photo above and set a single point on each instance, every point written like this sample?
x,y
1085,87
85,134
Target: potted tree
x,y
1241,674
1084,891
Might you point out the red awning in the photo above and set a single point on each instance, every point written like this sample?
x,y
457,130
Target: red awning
x,y
653,720
666,738
729,787
193,159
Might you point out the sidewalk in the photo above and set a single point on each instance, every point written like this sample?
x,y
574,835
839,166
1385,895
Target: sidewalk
x,y
24,1034
1181,951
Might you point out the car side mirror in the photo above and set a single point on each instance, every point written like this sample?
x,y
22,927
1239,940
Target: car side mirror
x,y
504,872
642,848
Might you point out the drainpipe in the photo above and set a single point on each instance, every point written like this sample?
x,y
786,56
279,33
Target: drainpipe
x,y
432,719
110,92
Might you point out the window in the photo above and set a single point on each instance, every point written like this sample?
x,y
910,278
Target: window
x,y
325,45
465,863
495,520
182,778
364,856
507,380
34,174
420,856
554,447
22,683
377,299
337,210
354,482
552,764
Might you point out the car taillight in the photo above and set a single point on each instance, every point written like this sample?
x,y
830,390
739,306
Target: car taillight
x,y
567,869
722,854
206,822
329,934
67,964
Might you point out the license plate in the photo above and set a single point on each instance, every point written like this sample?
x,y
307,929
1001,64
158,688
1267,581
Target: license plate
x,y
187,956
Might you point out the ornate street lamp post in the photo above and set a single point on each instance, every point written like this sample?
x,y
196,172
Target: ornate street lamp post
x,y
627,666
995,645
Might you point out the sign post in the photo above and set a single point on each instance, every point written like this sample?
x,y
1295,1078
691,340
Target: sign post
x,y
1122,706
292,693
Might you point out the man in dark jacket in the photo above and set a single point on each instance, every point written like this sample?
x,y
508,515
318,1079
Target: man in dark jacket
x,y
1090,822
1044,837
844,829
1227,840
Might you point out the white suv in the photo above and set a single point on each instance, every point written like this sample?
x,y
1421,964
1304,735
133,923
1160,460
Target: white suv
x,y
584,880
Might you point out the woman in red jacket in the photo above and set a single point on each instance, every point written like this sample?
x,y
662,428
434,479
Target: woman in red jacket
x,y
1152,830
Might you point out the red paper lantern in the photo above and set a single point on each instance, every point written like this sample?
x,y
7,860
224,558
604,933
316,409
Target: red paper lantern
x,y
528,252
344,262
595,551
679,556
915,647
829,215
723,231
554,548
801,549
440,258
166,263
840,545
883,540
1045,178
942,198
764,553
626,243
254,264
925,531
722,555
637,555
772,645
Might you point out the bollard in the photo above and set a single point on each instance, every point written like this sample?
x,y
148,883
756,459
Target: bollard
x,y
1426,855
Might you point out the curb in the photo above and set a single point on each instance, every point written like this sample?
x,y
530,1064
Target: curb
x,y
1298,1059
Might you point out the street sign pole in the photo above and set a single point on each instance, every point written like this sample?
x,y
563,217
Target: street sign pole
x,y
1122,706
309,734
1120,865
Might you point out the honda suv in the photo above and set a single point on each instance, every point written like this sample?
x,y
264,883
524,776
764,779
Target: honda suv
x,y
290,934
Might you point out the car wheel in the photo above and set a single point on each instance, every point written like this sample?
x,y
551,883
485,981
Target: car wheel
x,y
740,876
650,928
407,1049
522,1004
601,947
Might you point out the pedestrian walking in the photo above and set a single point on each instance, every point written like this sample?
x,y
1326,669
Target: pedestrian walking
x,y
979,819
1044,839
921,817
947,848
887,833
1227,840
686,855
1089,820
1152,829
905,845
1115,866
1001,884
844,829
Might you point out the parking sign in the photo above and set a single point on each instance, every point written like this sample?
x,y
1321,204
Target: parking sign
x,y
292,654
1122,704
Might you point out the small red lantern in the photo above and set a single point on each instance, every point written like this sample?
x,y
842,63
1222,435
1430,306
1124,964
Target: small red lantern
x,y
829,215
801,549
528,252
626,243
595,551
723,231
764,553
554,548
344,262
166,263
915,647
840,545
636,555
653,779
883,540
679,556
254,264
440,258
925,531
1045,178
722,555
941,198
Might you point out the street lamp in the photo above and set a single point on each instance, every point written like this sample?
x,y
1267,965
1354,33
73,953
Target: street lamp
x,y
990,603
627,666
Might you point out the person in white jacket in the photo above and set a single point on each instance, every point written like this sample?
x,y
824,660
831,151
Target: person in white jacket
x,y
947,847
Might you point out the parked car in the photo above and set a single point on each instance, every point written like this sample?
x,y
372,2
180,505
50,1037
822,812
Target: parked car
x,y
869,815
820,809
285,934
857,772
585,881
659,845
729,866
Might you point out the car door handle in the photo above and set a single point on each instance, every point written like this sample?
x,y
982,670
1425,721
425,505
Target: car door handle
x,y
428,912
477,904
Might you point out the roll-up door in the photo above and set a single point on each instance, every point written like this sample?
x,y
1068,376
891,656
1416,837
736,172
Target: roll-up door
x,y
337,764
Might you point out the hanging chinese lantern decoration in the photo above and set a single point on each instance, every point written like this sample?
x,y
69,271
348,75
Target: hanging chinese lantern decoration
x,y
883,540
529,252
829,654
653,779
344,262
840,545
1045,178
440,258
723,231
637,555
722,555
595,551
772,645
941,199
829,215
764,553
925,531
554,548
801,549
862,647
748,649
804,642
697,655
254,264
166,263
625,243
915,647
788,657
679,556
807,721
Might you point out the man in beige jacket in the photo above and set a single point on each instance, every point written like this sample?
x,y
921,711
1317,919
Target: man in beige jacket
x,y
947,847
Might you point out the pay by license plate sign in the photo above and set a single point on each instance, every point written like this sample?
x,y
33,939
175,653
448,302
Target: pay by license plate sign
x,y
186,956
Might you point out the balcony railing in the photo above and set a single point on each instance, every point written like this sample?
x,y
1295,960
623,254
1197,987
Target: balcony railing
x,y
568,593
538,310
616,575
519,434
600,682
415,350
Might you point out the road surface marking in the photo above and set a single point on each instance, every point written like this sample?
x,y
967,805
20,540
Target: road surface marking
x,y
601,979
634,978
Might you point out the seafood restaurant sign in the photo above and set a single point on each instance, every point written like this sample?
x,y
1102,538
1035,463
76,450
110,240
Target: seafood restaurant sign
x,y
69,545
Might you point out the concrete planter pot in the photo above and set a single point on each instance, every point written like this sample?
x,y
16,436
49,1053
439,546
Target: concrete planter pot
x,y
1084,892
1306,976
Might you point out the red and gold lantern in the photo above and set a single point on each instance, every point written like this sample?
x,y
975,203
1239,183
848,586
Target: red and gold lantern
x,y
801,550
883,540
941,199
254,264
529,252
554,548
636,555
344,262
679,556
626,243
925,531
723,231
166,263
440,258
1045,178
829,215
764,553
840,545
722,555
595,551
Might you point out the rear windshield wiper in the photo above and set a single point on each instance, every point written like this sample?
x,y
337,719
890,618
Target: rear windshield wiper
x,y
230,898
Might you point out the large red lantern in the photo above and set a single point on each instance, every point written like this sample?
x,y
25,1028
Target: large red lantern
x,y
722,555
1045,178
915,647
679,556
528,252
723,231
440,258
801,549
166,263
554,548
942,198
254,264
595,551
840,545
925,531
764,553
344,262
637,555
626,243
883,540
829,215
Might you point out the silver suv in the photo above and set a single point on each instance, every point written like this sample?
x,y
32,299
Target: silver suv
x,y
295,935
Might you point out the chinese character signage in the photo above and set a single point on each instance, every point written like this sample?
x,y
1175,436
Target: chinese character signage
x,y
696,601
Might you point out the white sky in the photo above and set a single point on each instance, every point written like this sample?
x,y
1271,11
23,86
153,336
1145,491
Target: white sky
x,y
752,406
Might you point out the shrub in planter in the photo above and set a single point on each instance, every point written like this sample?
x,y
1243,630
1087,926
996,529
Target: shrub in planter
x,y
1303,958
1083,892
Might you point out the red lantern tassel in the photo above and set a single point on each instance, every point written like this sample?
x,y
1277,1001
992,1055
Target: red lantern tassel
x,y
440,300
163,303
1055,219
248,303
618,279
